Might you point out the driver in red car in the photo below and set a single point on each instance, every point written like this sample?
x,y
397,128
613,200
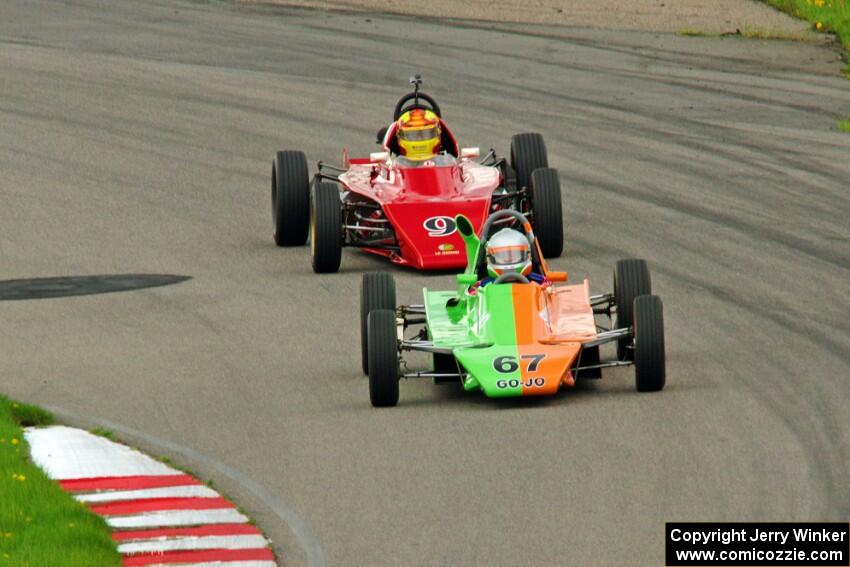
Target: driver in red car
x,y
508,252
418,136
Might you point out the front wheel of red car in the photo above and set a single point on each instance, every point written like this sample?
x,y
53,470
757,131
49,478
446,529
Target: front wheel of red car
x,y
528,152
325,228
650,358
383,358
547,212
290,198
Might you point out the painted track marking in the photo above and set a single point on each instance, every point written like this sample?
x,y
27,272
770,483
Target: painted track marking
x,y
148,494
314,556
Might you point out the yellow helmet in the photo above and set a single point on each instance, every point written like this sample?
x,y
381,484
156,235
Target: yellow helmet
x,y
419,134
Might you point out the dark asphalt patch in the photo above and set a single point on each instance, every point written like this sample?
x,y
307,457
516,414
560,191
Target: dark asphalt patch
x,y
69,286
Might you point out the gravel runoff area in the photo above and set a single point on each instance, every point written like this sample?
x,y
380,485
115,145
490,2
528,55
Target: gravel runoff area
x,y
716,16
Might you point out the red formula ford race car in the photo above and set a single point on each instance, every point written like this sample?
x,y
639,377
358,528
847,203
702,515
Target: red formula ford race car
x,y
402,202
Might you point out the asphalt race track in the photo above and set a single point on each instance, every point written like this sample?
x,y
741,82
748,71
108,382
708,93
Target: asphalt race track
x,y
137,138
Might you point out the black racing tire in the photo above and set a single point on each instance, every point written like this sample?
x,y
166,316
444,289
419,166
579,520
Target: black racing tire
x,y
383,358
325,227
631,279
528,152
650,360
548,216
290,198
377,291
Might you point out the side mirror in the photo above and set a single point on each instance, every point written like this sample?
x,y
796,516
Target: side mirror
x,y
466,280
379,157
470,152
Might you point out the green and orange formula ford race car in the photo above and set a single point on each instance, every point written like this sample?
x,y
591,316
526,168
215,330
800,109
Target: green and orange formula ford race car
x,y
512,335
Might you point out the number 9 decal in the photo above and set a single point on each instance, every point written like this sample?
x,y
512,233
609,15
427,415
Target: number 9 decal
x,y
440,226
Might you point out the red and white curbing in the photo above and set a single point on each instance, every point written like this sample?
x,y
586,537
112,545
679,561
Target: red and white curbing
x,y
159,516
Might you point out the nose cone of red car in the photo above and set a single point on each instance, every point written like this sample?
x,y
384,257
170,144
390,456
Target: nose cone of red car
x,y
427,232
424,209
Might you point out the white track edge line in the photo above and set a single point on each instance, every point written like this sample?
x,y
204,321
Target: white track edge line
x,y
176,518
191,491
189,543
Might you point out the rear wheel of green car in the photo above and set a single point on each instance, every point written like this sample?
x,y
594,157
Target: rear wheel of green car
x,y
377,291
383,358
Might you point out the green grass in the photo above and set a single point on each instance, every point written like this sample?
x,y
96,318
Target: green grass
x,y
688,32
764,33
40,524
825,15
752,33
103,432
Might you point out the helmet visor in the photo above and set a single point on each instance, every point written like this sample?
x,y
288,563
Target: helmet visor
x,y
418,135
507,255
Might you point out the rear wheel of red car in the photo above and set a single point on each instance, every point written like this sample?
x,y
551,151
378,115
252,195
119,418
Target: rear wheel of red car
x,y
631,279
325,228
290,198
377,291
546,206
528,152
383,358
650,361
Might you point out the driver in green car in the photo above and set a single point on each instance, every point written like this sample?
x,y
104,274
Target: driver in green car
x,y
508,252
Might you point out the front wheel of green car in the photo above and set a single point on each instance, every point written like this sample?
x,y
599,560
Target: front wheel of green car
x,y
377,291
650,360
383,358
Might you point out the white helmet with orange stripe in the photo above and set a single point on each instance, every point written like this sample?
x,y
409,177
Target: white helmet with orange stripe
x,y
508,251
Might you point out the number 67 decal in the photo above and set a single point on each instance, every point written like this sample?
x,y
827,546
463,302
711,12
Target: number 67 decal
x,y
508,364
